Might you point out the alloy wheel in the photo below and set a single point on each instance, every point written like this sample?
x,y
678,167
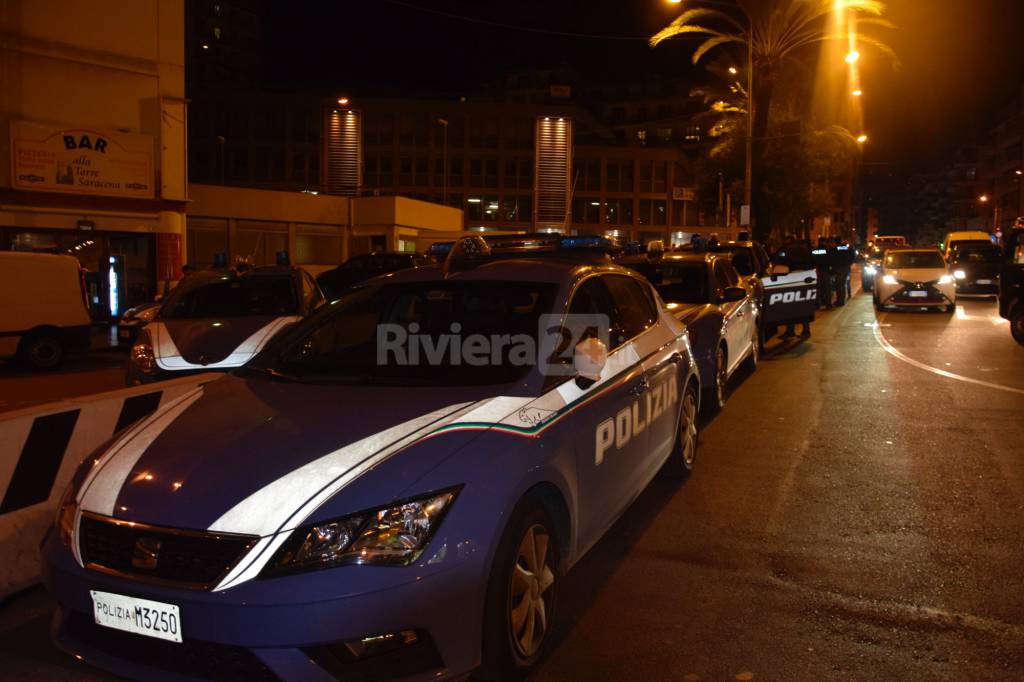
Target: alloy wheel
x,y
532,579
688,428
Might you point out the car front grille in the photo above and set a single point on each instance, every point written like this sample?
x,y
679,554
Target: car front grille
x,y
194,658
933,294
185,558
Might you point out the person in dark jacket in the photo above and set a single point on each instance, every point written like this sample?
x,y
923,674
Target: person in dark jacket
x,y
842,263
796,256
822,263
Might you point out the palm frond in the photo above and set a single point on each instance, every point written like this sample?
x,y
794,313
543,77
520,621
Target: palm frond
x,y
712,43
672,31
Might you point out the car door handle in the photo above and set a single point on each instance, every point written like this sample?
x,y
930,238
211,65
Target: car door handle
x,y
640,388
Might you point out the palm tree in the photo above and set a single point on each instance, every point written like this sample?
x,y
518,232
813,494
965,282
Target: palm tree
x,y
775,35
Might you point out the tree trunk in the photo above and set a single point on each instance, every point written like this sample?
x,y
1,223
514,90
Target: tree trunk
x,y
764,89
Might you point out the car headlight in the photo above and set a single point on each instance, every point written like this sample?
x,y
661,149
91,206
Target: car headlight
x,y
392,536
946,279
67,510
870,269
959,274
889,279
142,356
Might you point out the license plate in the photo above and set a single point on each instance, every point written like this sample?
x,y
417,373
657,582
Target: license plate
x,y
984,281
919,294
140,616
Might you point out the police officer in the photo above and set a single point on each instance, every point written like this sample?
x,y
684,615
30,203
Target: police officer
x,y
842,264
822,263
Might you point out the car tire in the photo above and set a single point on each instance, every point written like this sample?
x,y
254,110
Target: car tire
x,y
949,308
42,351
679,464
1017,324
714,394
510,647
754,356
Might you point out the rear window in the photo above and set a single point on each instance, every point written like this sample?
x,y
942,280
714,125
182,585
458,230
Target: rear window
x,y
977,254
231,296
677,282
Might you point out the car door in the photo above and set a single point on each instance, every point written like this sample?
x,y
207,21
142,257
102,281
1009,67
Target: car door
x,y
734,316
601,427
659,352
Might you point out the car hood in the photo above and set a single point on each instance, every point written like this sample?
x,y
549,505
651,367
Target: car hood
x,y
258,456
205,341
917,274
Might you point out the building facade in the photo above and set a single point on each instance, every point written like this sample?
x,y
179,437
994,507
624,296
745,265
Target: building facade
x,y
93,140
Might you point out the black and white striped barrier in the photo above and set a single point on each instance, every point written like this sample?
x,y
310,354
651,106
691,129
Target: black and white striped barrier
x,y
41,446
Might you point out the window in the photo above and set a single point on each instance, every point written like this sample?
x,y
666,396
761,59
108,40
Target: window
x,y
586,210
692,134
491,173
587,175
387,178
455,178
726,276
405,171
635,311
619,212
476,173
420,177
518,209
652,212
619,176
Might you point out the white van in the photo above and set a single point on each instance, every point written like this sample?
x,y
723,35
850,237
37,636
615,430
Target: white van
x,y
963,236
43,313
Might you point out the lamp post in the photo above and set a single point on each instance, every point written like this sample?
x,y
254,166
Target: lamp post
x,y
444,160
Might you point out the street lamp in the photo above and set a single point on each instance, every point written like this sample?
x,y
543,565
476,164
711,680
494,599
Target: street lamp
x,y
857,93
983,198
343,101
852,57
862,138
732,70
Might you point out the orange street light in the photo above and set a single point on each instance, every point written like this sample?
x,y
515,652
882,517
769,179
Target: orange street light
x,y
852,57
733,71
862,138
857,93
343,101
983,198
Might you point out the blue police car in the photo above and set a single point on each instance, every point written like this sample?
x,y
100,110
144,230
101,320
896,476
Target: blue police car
x,y
394,488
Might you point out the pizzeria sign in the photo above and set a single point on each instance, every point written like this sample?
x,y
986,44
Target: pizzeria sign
x,y
81,161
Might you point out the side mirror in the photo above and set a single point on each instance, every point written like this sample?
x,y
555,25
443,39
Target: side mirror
x,y
588,359
733,294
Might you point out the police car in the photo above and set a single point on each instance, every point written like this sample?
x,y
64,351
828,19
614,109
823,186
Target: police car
x,y
219,320
394,488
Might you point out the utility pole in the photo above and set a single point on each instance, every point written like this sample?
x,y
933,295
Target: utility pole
x,y
444,160
748,171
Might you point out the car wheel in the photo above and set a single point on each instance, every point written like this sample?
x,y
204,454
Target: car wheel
x,y
1017,324
755,351
877,302
521,593
684,452
714,395
42,351
949,308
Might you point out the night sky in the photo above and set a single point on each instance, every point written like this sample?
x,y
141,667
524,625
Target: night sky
x,y
959,57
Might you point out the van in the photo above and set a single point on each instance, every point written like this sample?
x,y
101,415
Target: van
x,y
963,236
43,308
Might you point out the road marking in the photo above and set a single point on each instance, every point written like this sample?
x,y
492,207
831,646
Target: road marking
x,y
892,350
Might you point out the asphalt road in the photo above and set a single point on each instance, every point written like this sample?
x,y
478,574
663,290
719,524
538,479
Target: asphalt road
x,y
857,512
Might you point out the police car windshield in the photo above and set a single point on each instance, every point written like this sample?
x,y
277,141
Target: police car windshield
x,y
232,296
418,333
677,282
914,259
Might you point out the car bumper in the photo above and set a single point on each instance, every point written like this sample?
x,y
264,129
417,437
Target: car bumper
x,y
289,628
939,295
968,286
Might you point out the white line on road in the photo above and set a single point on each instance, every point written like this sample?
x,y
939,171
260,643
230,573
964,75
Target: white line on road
x,y
891,350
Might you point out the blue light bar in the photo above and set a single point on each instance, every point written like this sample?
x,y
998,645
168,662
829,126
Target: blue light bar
x,y
589,241
440,248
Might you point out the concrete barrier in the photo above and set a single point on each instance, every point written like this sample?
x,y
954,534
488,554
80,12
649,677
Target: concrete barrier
x,y
41,446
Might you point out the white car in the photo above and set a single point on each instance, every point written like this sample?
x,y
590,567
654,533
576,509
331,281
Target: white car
x,y
915,278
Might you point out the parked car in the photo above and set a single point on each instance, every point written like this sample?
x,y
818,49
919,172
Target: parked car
x,y
135,319
1011,281
704,291
915,278
952,239
219,320
361,268
975,267
320,514
44,313
870,264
